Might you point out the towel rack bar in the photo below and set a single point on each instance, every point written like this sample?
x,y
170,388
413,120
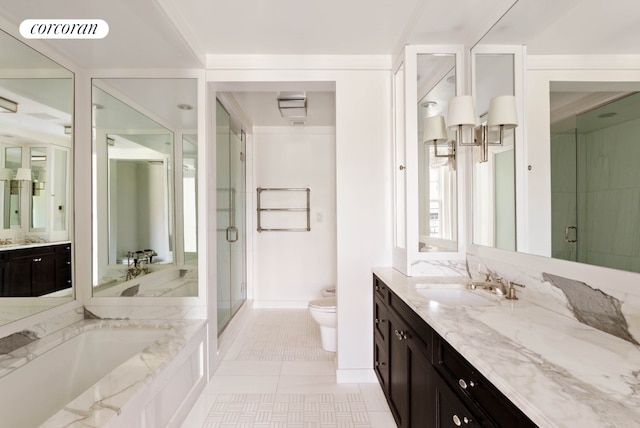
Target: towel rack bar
x,y
306,210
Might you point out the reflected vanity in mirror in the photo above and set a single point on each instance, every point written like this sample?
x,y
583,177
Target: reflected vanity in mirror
x,y
142,127
36,119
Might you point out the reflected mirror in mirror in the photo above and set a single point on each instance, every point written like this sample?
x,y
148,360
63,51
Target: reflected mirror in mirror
x,y
37,269
436,163
135,231
595,179
494,198
12,188
190,197
38,159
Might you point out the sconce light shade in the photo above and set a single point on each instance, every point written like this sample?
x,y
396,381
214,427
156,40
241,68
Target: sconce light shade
x,y
461,112
434,129
502,112
24,174
5,174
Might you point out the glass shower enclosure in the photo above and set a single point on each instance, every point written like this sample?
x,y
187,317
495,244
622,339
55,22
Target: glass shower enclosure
x,y
230,216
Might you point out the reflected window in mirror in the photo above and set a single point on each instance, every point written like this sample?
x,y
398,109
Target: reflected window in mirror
x,y
141,126
437,195
494,198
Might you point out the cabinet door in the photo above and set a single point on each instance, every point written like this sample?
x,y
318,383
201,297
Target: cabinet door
x,y
449,410
43,270
398,392
409,373
19,278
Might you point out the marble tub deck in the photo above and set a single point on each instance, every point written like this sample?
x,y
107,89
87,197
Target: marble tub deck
x,y
106,399
558,371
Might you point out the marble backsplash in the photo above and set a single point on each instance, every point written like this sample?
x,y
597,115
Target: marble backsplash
x,y
606,308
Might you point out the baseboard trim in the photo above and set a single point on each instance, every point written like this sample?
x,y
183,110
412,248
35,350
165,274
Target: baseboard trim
x,y
280,304
356,376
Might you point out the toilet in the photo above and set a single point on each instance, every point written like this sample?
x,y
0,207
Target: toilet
x,y
328,292
323,311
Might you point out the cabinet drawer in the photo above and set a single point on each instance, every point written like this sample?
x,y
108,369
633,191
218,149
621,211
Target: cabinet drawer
x,y
380,320
475,388
380,289
449,410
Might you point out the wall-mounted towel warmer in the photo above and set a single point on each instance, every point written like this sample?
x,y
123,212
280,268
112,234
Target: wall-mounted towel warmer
x,y
303,210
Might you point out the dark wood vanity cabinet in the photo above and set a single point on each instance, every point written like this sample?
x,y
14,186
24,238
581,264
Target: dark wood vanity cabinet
x,y
36,271
426,382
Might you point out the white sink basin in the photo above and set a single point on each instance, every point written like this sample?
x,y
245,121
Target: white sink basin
x,y
455,295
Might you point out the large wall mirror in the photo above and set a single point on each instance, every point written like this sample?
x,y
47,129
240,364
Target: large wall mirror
x,y
36,119
578,187
143,128
595,179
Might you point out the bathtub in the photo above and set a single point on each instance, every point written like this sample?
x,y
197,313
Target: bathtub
x,y
85,376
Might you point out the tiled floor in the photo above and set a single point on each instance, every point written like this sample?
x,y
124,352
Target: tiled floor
x,y
278,376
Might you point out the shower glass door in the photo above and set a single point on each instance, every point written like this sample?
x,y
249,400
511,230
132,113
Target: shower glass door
x,y
230,217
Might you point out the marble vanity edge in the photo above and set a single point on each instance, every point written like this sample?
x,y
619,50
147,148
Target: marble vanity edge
x,y
544,391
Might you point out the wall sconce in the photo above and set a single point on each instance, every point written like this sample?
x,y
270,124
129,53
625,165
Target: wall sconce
x,y
8,106
502,114
23,174
435,132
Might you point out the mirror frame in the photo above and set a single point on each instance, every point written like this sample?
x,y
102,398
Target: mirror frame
x,y
408,259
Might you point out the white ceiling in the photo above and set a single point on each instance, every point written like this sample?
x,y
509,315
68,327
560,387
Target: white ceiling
x,y
182,33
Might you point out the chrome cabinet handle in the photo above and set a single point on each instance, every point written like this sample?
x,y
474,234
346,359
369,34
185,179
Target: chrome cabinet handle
x,y
38,259
459,421
401,335
464,385
378,321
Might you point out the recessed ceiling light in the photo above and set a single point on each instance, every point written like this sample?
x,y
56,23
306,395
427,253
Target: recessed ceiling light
x,y
451,79
185,107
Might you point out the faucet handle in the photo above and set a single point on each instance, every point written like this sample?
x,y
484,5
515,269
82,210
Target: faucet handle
x,y
511,292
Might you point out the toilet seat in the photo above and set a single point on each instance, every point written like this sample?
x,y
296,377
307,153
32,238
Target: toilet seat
x,y
327,304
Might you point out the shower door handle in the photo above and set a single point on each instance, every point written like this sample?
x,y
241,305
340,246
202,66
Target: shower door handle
x,y
230,230
575,234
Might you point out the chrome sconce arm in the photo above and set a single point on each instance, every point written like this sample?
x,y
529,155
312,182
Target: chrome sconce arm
x,y
462,116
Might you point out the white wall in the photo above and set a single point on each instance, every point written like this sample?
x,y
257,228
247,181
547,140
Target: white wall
x,y
292,267
363,179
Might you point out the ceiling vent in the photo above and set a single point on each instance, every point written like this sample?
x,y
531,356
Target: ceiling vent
x,y
292,105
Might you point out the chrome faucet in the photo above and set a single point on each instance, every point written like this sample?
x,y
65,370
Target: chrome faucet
x,y
497,286
494,285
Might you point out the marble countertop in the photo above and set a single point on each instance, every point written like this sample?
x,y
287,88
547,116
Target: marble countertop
x,y
558,371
